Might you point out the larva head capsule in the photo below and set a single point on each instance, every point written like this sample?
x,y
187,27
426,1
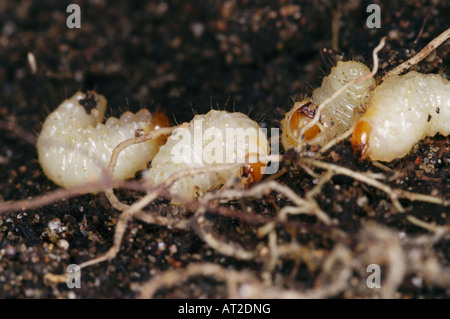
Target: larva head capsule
x,y
159,119
336,117
89,102
360,138
298,117
303,114
251,173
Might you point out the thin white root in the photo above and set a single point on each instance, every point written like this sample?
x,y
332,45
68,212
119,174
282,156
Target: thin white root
x,y
121,227
244,284
224,248
173,277
394,194
136,208
301,205
51,197
444,36
420,223
109,192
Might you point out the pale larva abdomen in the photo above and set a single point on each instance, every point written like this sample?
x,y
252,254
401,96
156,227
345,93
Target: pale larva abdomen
x,y
75,148
209,140
400,112
337,117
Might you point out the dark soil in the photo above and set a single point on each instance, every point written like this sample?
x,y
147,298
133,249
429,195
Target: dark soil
x,y
185,56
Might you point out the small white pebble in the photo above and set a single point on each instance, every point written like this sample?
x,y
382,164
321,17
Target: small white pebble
x,y
78,76
393,34
10,250
32,62
72,295
197,29
55,226
173,249
161,245
64,244
362,201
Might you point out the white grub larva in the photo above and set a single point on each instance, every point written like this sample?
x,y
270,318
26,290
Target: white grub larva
x,y
75,148
207,141
401,111
337,117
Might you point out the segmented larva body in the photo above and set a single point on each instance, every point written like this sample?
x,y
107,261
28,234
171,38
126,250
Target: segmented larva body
x,y
401,111
336,117
75,148
208,141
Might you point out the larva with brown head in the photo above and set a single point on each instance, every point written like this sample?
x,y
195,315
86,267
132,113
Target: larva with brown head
x,y
211,139
401,111
74,147
337,117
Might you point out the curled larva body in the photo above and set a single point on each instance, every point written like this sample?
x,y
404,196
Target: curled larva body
x,y
337,117
75,148
401,111
207,141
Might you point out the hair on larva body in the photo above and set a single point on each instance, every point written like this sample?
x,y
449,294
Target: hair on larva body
x,y
401,111
337,116
179,154
74,147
